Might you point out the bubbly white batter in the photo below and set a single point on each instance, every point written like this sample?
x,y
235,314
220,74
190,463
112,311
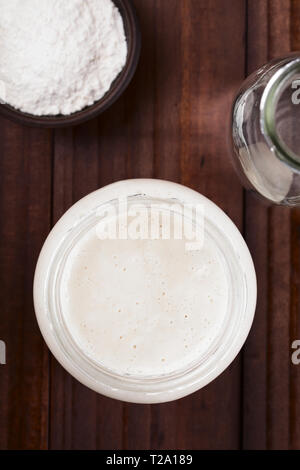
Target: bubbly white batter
x,y
144,307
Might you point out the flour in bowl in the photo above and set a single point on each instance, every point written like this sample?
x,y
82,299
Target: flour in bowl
x,y
58,56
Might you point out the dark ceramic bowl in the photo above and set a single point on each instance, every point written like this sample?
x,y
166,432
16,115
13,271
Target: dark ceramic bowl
x,y
133,37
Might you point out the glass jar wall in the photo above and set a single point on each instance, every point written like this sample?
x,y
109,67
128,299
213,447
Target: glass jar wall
x,y
265,131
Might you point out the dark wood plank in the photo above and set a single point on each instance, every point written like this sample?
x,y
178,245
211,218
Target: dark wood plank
x,y
295,25
270,404
278,403
213,65
25,204
295,275
255,350
295,330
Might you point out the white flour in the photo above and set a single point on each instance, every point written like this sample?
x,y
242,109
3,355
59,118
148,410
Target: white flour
x,y
59,56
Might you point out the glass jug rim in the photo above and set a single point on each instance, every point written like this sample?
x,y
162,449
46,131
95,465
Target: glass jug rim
x,y
268,107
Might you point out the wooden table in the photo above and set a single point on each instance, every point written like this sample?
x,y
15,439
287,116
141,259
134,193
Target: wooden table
x,y
171,123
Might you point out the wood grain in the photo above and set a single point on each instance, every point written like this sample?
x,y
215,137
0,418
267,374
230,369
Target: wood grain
x,y
270,402
295,275
171,123
213,66
25,203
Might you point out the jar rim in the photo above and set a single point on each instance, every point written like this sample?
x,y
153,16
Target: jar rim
x,y
268,107
159,389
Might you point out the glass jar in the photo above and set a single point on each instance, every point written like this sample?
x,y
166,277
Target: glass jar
x,y
266,131
239,310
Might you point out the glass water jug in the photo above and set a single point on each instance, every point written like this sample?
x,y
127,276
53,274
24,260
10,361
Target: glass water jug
x,y
266,131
